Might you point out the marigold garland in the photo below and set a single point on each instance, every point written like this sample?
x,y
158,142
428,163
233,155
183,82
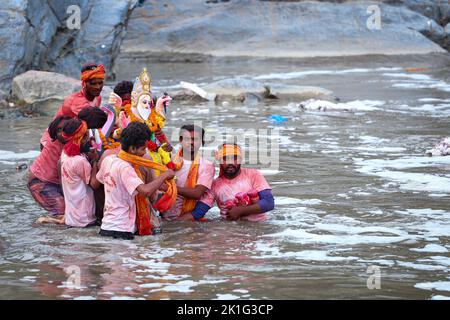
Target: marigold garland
x,y
108,144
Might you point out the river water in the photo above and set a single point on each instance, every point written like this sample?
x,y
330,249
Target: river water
x,y
357,203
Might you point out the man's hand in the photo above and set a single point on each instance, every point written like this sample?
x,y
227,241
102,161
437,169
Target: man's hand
x,y
185,217
234,213
164,187
167,147
169,174
93,155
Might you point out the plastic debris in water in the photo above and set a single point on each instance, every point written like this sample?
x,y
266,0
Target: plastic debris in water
x,y
277,118
21,166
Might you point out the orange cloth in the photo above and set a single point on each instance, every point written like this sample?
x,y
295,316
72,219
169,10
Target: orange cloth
x,y
228,150
191,181
97,73
72,146
142,205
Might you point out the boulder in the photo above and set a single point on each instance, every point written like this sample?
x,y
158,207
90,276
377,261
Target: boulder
x,y
300,92
35,35
38,86
45,91
235,87
274,29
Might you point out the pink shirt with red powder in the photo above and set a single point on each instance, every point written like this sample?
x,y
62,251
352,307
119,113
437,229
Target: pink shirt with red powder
x,y
71,106
224,189
205,178
120,181
78,195
45,167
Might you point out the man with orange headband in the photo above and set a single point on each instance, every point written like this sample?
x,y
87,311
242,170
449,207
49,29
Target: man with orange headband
x,y
92,77
240,193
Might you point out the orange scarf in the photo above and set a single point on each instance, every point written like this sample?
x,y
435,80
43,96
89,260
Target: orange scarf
x,y
142,204
97,73
191,181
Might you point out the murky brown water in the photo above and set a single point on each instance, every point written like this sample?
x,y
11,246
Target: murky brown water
x,y
353,190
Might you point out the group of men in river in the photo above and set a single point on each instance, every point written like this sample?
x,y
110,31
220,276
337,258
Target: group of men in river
x,y
112,165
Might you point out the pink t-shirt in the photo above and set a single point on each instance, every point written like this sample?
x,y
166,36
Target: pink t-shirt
x,y
71,106
45,167
78,195
120,182
224,189
76,102
205,178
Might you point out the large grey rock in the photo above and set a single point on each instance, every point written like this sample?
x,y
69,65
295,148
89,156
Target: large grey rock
x,y
103,24
241,89
235,87
38,86
271,29
35,35
45,91
300,92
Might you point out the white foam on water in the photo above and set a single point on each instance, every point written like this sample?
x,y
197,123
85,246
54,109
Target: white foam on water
x,y
414,76
186,285
271,252
418,266
422,84
226,296
240,290
9,155
301,74
372,140
351,106
270,172
126,298
431,248
433,100
351,238
408,180
284,201
438,285
439,297
380,149
84,298
445,261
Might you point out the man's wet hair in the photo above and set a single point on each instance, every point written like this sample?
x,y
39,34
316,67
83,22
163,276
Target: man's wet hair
x,y
88,66
95,117
136,134
123,88
192,128
53,126
71,126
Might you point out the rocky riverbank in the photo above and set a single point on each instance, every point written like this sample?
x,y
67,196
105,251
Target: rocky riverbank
x,y
37,34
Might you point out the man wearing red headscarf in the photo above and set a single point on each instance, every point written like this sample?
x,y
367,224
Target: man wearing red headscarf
x,y
92,77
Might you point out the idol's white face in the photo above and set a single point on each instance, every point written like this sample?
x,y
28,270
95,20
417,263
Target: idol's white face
x,y
144,106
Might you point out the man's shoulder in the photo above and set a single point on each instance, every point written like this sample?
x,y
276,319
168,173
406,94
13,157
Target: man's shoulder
x,y
206,163
251,172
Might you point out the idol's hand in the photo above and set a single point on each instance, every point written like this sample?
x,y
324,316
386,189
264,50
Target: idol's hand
x,y
160,102
124,121
115,100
